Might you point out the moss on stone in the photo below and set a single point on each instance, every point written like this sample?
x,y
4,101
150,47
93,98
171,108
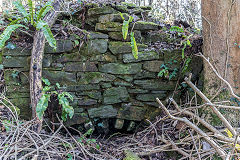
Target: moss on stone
x,y
129,5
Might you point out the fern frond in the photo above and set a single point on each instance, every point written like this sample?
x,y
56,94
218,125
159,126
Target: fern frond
x,y
19,6
32,8
42,25
7,33
134,46
43,11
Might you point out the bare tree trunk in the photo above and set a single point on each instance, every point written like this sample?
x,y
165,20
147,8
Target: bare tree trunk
x,y
35,74
221,31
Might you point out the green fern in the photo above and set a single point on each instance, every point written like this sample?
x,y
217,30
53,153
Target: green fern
x,y
19,6
134,46
7,33
43,11
35,20
31,8
125,26
47,33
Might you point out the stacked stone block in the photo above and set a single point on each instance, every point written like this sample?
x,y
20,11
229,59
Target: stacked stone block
x,y
103,76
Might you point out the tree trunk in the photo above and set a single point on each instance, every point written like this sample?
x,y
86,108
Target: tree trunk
x,y
221,34
35,74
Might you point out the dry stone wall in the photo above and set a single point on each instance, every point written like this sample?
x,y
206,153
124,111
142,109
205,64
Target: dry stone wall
x,y
103,76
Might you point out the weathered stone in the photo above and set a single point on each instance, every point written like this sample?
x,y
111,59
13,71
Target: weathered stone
x,y
151,97
127,78
81,87
101,11
80,66
18,94
20,88
142,56
92,20
57,66
24,105
78,118
103,58
97,46
124,47
119,123
138,11
131,126
102,112
112,18
129,5
145,74
91,94
146,7
94,77
71,57
47,61
145,26
16,52
156,84
133,113
97,35
109,27
16,62
106,85
138,90
116,68
115,95
173,55
12,77
86,101
122,9
62,47
60,77
153,66
122,83
162,36
119,37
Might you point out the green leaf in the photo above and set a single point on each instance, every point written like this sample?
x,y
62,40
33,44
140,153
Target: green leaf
x,y
31,8
176,29
15,21
134,46
183,49
46,81
42,105
189,43
7,33
47,33
43,11
58,85
126,26
122,16
67,110
21,9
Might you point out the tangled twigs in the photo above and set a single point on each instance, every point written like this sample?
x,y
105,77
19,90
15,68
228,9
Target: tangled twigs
x,y
220,77
218,149
215,110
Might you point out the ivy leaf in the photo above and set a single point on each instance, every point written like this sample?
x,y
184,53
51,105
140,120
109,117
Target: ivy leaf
x,y
7,33
134,46
42,25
